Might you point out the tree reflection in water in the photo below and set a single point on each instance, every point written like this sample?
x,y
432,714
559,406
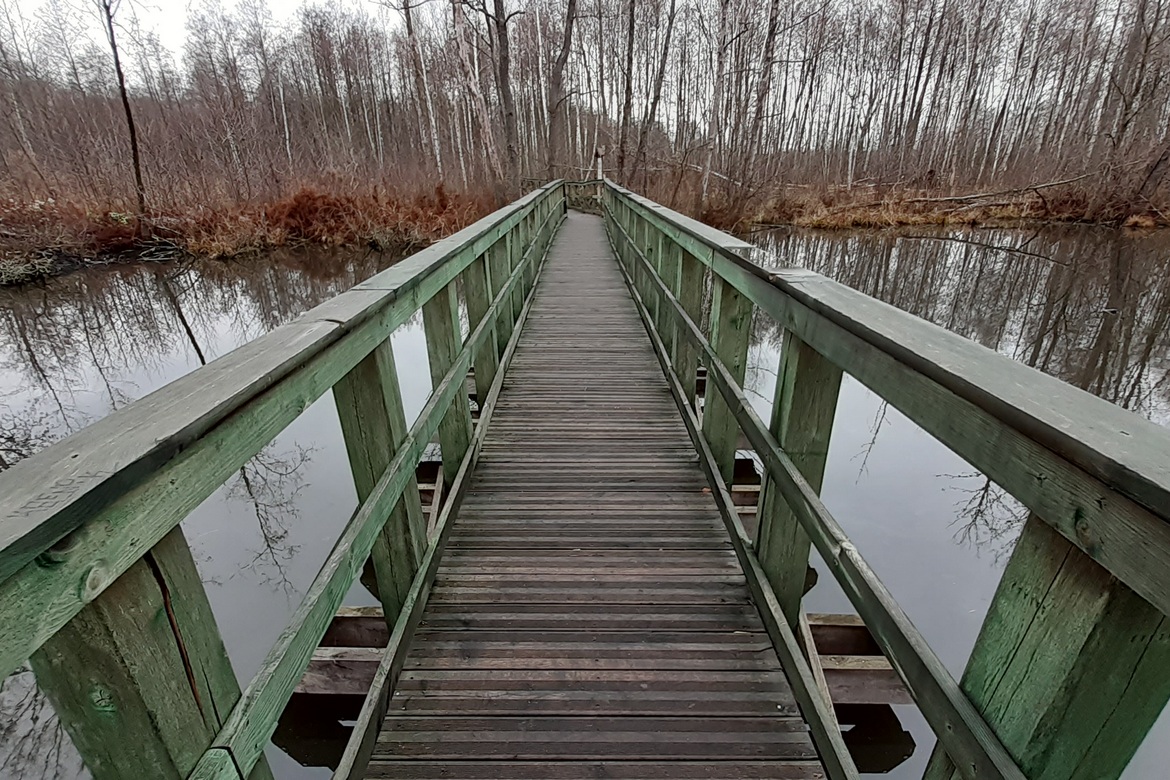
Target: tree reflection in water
x,y
85,345
1088,305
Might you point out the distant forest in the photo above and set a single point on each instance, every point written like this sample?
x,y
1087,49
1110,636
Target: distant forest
x,y
728,109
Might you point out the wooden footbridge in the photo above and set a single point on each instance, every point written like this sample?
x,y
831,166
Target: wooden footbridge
x,y
587,602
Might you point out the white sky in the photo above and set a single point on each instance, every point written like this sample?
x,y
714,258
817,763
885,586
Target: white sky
x,y
168,18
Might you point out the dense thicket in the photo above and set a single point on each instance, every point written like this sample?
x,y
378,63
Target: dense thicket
x,y
696,102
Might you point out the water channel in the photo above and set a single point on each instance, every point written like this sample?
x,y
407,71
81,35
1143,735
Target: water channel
x,y
1088,305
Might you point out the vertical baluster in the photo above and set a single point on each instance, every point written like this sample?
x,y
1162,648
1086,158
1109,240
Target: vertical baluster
x,y
515,247
666,251
805,402
692,275
140,678
1070,666
373,424
477,291
444,341
731,320
499,270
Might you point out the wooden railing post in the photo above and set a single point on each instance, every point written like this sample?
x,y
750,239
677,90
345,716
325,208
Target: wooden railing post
x,y
668,267
477,289
444,341
499,269
1070,668
373,424
731,324
805,401
692,275
140,678
648,244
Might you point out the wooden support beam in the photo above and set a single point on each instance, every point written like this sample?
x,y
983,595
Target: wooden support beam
x,y
478,292
140,678
802,421
444,341
499,269
361,743
1070,665
731,325
669,265
814,706
369,405
692,278
950,713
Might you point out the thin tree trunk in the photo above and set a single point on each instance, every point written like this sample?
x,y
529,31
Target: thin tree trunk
x,y
558,111
108,9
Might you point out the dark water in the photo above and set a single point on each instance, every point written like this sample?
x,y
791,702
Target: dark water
x,y
1085,304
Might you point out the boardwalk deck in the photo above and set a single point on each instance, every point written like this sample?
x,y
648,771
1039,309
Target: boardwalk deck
x,y
589,617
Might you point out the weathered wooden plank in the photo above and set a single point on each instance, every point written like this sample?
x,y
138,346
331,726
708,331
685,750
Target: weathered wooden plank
x,y
1105,484
952,716
478,294
444,341
253,719
503,637
588,770
39,600
369,406
52,493
499,269
731,325
361,744
817,711
140,678
1070,665
802,421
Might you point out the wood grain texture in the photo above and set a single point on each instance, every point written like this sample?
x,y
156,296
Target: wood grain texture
x,y
815,706
253,720
1070,665
511,667
363,739
369,406
802,422
54,492
731,326
1097,473
951,714
140,678
441,323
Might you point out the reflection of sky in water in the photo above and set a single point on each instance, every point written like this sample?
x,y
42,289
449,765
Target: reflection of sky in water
x,y
910,504
899,494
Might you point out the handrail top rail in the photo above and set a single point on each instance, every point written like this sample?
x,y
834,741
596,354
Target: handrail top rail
x,y
52,492
1121,448
712,237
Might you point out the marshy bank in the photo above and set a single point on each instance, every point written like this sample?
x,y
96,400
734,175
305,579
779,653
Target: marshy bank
x,y
43,239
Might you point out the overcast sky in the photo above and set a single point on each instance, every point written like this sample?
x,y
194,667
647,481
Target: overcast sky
x,y
168,18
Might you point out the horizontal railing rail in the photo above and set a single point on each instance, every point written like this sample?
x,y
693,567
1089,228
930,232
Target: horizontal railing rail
x,y
1091,471
89,537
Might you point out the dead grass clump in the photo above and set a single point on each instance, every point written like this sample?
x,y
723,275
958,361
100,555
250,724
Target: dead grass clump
x,y
73,233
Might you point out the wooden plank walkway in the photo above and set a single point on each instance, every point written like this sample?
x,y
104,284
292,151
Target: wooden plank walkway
x,y
589,618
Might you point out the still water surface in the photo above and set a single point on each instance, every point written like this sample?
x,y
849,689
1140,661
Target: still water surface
x,y
1085,304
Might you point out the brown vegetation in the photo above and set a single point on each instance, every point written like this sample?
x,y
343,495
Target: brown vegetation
x,y
833,114
44,238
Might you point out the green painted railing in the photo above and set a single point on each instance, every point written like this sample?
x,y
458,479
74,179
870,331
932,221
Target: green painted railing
x,y
1072,665
97,585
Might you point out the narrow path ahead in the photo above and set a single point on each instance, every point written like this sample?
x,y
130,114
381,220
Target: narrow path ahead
x,y
589,618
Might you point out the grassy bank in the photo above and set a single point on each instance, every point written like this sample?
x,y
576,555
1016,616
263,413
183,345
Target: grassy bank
x,y
874,208
41,239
